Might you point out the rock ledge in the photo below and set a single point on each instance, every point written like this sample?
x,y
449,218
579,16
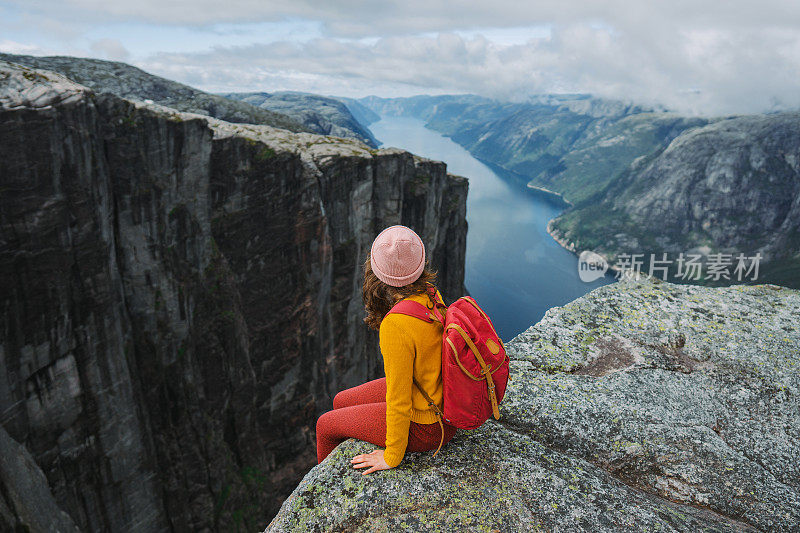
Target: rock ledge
x,y
641,405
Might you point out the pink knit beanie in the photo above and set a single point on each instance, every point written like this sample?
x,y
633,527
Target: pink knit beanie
x,y
397,256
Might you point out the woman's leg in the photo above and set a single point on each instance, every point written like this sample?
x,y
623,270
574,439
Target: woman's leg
x,y
364,422
370,392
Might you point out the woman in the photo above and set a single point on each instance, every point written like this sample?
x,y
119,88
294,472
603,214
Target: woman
x,y
392,412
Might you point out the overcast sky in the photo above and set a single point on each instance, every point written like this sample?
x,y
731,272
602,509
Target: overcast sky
x,y
698,56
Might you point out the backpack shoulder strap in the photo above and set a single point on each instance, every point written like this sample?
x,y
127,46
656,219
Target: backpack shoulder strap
x,y
439,308
412,308
436,411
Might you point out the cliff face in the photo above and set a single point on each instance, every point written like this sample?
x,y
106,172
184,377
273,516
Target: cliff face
x,y
320,114
641,406
26,502
181,297
732,187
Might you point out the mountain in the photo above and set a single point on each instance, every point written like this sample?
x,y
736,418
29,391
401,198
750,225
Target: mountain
x,y
180,299
642,181
729,187
362,113
641,406
319,114
462,108
127,81
571,153
570,144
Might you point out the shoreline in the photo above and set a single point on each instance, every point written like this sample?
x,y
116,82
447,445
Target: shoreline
x,y
570,247
501,171
564,243
551,195
524,181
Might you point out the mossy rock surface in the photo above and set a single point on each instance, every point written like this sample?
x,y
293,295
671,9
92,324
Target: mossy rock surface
x,y
642,406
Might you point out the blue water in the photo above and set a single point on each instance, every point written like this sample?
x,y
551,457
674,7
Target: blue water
x,y
514,269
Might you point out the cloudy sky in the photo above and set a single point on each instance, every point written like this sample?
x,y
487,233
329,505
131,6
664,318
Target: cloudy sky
x,y
694,56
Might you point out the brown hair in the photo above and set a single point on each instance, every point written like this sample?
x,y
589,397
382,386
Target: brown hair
x,y
379,297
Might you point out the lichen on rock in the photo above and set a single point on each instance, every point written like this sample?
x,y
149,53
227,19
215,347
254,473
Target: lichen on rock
x,y
643,405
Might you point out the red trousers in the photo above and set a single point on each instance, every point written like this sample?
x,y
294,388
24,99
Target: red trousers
x,y
360,413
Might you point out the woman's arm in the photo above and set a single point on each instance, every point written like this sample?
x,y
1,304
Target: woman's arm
x,y
398,364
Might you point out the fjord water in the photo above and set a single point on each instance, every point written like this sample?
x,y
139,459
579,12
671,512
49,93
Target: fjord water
x,y
514,268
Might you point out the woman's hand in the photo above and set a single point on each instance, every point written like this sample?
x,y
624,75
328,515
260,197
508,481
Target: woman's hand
x,y
373,460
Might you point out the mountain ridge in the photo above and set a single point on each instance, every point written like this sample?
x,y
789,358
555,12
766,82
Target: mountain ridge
x,y
592,152
732,186
321,114
127,81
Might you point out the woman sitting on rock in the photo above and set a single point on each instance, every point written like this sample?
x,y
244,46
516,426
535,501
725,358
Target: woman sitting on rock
x,y
391,411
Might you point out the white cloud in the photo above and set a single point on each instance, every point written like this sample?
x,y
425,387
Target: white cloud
x,y
693,71
111,49
363,18
696,56
12,47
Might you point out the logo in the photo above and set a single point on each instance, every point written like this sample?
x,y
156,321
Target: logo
x,y
591,266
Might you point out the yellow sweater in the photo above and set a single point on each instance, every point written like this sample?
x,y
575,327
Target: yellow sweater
x,y
409,345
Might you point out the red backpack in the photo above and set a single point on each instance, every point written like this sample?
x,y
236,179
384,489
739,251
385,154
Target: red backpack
x,y
474,360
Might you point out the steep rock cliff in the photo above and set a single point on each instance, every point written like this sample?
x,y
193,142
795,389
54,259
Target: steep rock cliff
x,y
26,502
181,297
642,406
